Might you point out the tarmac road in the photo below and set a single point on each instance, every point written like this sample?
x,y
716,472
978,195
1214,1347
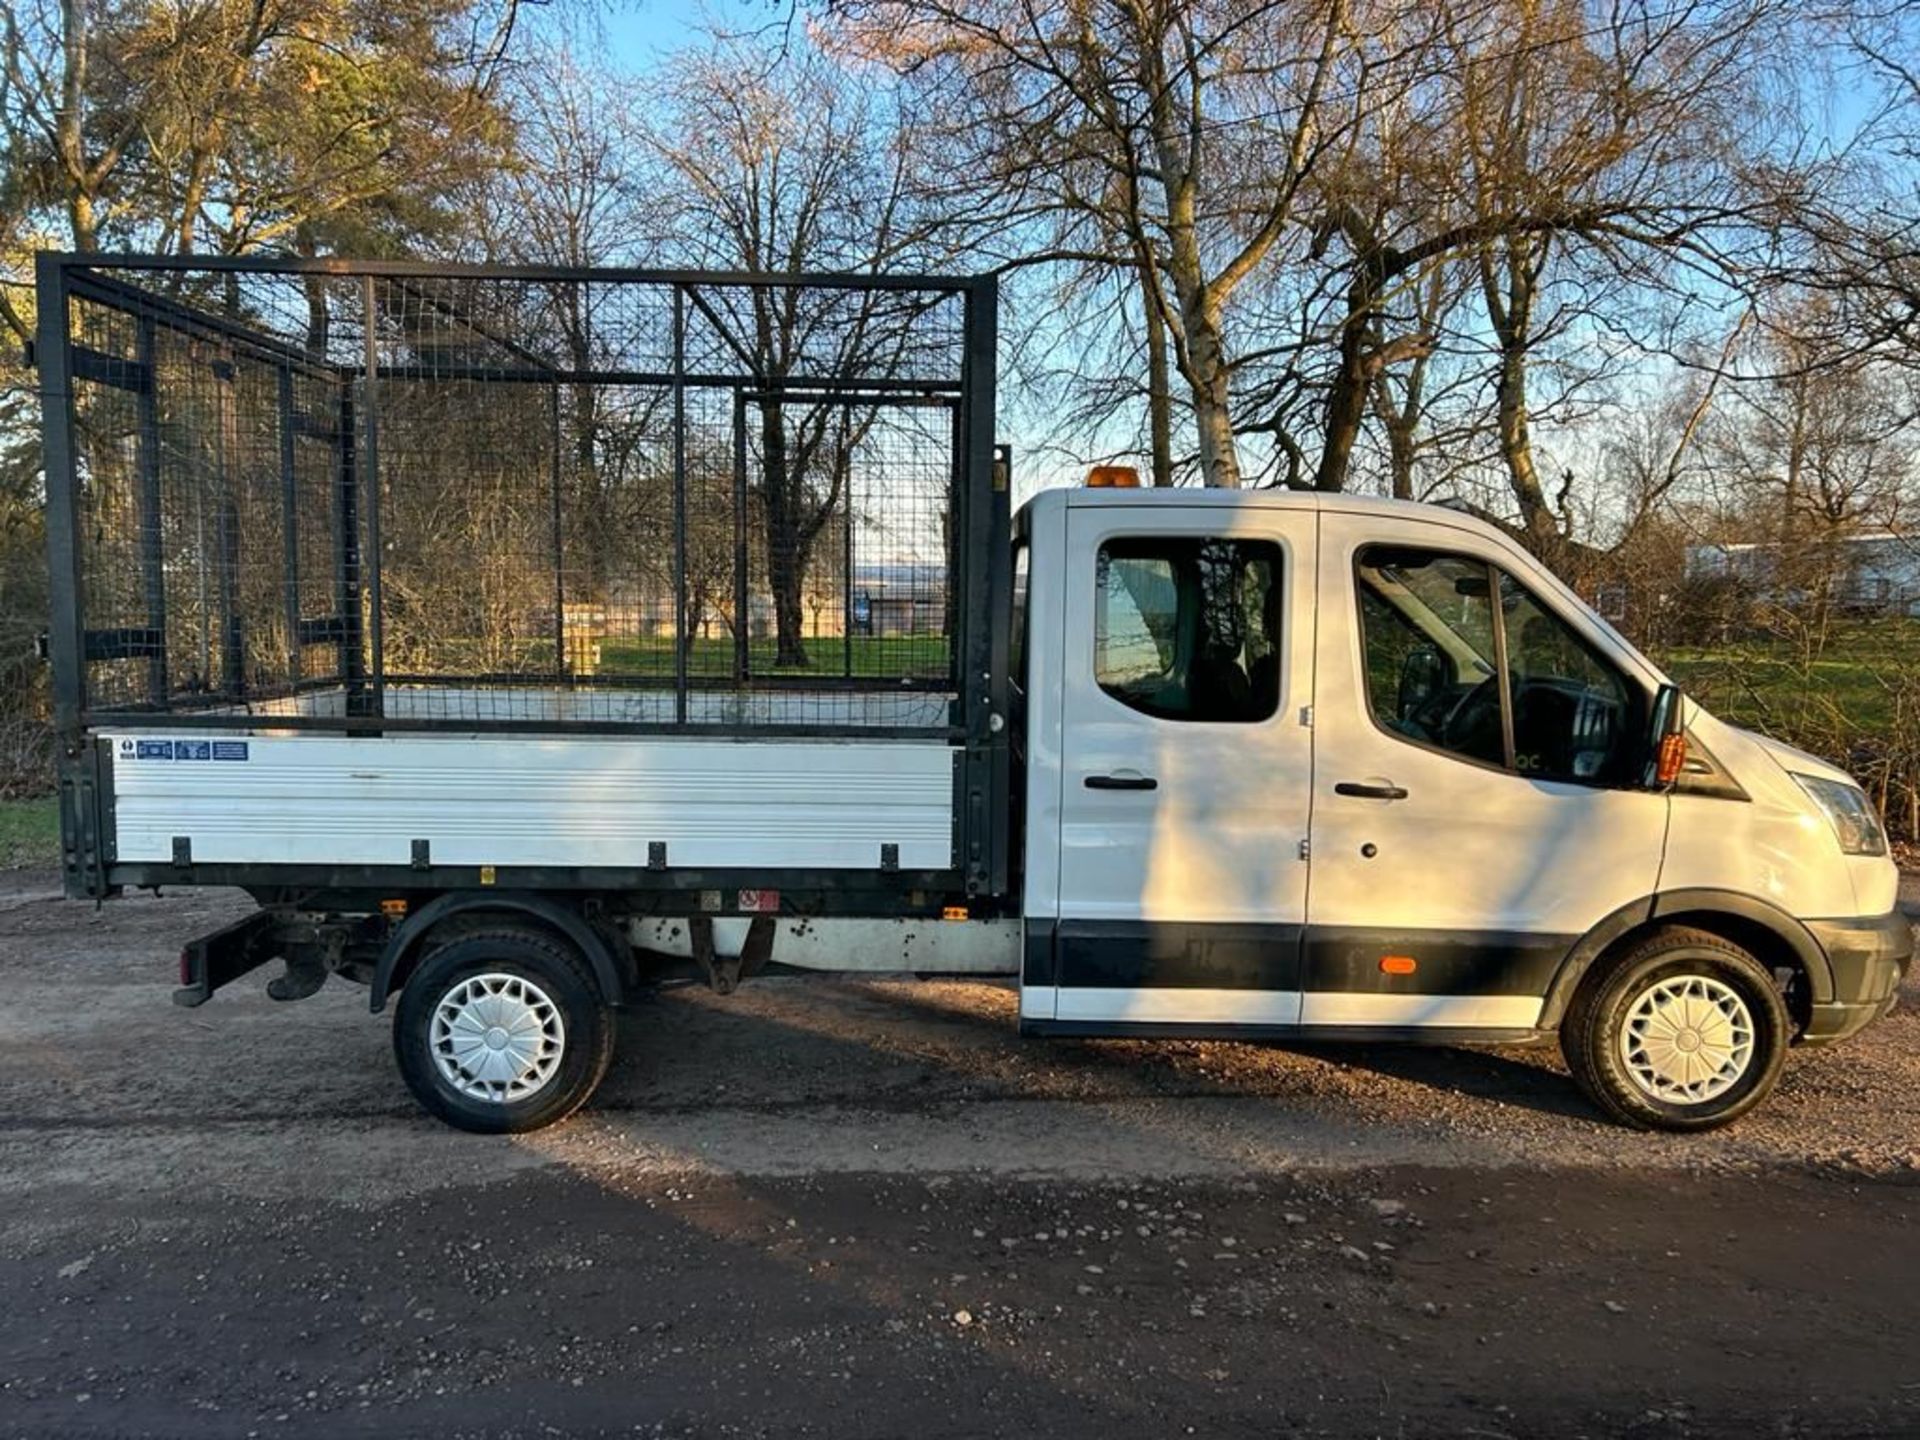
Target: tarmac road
x,y
846,1208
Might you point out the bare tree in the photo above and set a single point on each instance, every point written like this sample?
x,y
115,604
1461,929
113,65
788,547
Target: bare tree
x,y
783,163
1403,396
1185,132
1849,223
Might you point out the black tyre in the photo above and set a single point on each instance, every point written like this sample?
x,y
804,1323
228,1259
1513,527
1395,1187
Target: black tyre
x,y
1681,1030
502,1030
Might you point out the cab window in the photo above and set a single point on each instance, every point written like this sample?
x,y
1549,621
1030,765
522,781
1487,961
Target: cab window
x,y
1188,628
1571,709
1434,631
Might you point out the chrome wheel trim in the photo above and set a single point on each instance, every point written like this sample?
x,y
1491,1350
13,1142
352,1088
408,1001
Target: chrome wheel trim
x,y
497,1037
1687,1039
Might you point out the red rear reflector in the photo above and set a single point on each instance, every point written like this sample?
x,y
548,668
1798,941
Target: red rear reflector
x,y
186,968
1399,964
1672,760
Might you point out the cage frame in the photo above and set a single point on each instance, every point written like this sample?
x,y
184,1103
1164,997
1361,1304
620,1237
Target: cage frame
x,y
979,579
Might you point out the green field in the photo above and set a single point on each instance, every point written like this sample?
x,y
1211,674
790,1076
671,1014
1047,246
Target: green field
x,y
1862,683
882,656
885,656
29,832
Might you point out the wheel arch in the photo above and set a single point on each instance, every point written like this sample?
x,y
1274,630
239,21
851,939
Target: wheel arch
x,y
1770,934
406,945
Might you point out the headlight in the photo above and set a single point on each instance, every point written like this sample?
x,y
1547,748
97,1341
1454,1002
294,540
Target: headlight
x,y
1846,806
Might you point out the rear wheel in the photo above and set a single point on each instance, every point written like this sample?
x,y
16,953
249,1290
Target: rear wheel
x,y
1681,1031
503,1030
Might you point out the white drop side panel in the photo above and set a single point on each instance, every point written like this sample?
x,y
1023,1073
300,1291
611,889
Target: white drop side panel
x,y
304,799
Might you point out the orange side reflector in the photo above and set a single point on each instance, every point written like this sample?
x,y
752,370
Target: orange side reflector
x,y
1399,964
954,912
1672,759
393,909
1113,477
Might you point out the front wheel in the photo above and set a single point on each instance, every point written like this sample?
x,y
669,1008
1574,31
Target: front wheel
x,y
1682,1031
503,1030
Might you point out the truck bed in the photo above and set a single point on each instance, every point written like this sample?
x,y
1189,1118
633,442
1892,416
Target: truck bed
x,y
590,802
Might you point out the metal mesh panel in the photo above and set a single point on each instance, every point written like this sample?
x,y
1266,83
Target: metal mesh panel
x,y
477,498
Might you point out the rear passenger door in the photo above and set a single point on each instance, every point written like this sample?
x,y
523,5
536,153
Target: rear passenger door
x,y
1185,766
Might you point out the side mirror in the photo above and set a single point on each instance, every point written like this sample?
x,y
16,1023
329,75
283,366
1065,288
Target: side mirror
x,y
1666,738
1423,674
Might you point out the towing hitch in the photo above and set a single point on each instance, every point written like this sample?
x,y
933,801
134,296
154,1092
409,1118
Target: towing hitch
x,y
224,956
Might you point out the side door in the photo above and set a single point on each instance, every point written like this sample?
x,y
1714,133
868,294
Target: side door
x,y
1476,809
1184,766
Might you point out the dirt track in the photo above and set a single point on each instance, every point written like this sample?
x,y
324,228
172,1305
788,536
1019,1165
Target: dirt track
x,y
784,1203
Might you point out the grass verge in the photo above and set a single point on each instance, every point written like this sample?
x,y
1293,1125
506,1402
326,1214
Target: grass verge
x,y
29,832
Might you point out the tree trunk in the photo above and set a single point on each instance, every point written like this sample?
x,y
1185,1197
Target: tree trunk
x,y
786,562
1159,397
69,138
1400,454
1401,417
1203,357
1516,451
80,220
319,323
1212,409
1509,286
1347,398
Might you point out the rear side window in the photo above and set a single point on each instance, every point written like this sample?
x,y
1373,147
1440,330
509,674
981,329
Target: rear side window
x,y
1189,628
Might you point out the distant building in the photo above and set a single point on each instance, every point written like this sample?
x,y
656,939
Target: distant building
x,y
899,599
882,599
1879,573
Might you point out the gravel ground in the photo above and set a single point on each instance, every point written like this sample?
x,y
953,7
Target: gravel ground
x,y
867,1208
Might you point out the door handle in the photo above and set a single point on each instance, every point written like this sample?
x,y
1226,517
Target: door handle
x,y
1369,792
1122,781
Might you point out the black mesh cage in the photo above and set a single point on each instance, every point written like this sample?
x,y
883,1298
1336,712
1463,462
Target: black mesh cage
x,y
385,496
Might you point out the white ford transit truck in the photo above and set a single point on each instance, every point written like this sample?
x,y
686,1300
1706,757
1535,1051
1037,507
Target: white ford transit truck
x,y
517,636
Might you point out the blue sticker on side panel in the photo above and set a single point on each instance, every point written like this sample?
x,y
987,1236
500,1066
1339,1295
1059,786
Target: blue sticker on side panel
x,y
155,750
229,749
192,750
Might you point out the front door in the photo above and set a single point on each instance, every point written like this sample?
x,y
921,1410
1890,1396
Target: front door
x,y
1185,766
1475,810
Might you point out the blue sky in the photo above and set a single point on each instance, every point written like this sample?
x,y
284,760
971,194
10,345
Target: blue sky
x,y
640,33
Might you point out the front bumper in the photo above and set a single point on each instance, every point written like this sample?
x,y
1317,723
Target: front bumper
x,y
1868,958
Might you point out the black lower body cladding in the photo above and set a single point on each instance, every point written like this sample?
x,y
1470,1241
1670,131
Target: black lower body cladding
x,y
1868,958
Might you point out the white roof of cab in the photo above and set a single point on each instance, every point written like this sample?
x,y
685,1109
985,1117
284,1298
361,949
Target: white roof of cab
x,y
1184,497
